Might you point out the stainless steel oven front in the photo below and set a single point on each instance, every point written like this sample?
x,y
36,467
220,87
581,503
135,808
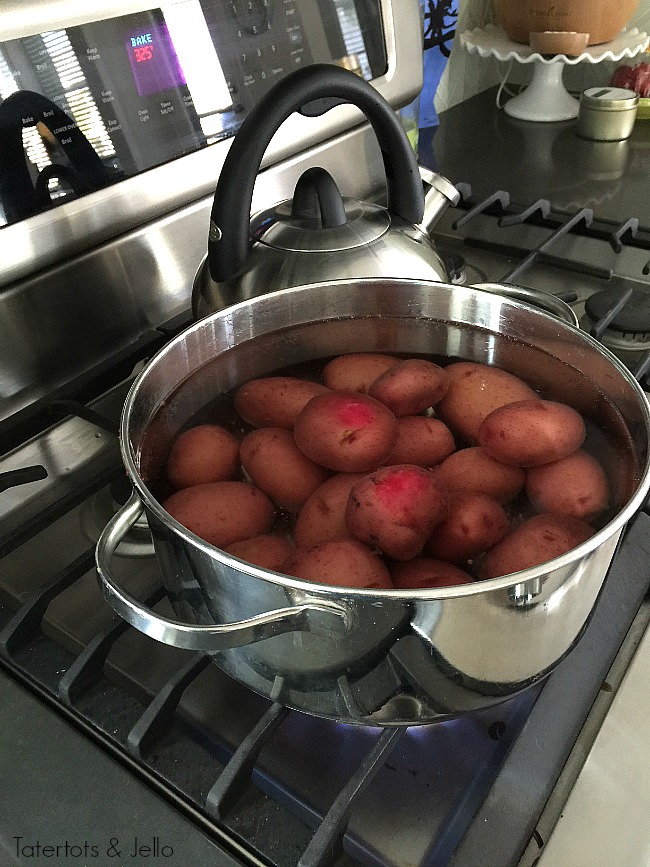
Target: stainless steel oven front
x,y
115,119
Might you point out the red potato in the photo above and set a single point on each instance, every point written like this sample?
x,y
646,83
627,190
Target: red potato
x,y
278,467
530,433
475,390
275,401
410,386
575,486
322,518
356,371
537,540
267,551
343,564
473,469
424,572
396,509
203,454
346,432
475,523
421,441
222,512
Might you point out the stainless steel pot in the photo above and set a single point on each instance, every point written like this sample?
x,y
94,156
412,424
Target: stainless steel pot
x,y
535,297
368,656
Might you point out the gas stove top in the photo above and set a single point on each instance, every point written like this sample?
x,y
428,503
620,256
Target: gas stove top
x,y
262,784
171,743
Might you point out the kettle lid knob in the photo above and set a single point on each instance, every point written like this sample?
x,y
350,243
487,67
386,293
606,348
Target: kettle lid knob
x,y
317,197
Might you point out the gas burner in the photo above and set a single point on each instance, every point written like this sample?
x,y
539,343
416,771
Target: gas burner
x,y
460,273
623,331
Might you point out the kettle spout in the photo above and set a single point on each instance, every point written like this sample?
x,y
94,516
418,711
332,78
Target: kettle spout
x,y
439,194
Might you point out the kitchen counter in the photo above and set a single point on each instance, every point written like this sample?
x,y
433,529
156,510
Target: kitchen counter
x,y
480,145
605,820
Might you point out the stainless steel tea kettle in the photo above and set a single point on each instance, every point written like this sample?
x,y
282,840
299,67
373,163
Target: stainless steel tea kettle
x,y
319,235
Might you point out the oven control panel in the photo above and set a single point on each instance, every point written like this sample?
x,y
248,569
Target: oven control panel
x,y
87,105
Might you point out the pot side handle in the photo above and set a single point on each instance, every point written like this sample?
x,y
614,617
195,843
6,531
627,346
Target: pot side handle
x,y
315,616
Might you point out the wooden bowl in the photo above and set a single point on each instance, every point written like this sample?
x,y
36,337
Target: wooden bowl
x,y
602,20
558,42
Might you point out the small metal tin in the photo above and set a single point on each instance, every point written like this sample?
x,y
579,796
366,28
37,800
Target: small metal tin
x,y
607,113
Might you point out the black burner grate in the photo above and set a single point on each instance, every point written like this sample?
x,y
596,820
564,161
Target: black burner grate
x,y
620,310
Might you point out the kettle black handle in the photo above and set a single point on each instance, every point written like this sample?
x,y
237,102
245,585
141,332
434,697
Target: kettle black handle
x,y
228,240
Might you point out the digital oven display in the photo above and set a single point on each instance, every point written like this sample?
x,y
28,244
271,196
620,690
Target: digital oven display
x,y
153,60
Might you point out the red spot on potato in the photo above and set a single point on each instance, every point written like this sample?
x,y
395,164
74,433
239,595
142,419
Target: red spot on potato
x,y
354,414
401,484
349,433
395,509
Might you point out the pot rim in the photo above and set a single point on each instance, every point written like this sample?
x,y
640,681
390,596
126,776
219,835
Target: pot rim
x,y
414,595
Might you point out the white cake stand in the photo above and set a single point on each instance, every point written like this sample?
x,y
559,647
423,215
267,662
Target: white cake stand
x,y
546,98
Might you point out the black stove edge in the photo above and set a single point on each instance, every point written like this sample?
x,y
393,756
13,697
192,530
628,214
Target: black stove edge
x,y
539,753
81,737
